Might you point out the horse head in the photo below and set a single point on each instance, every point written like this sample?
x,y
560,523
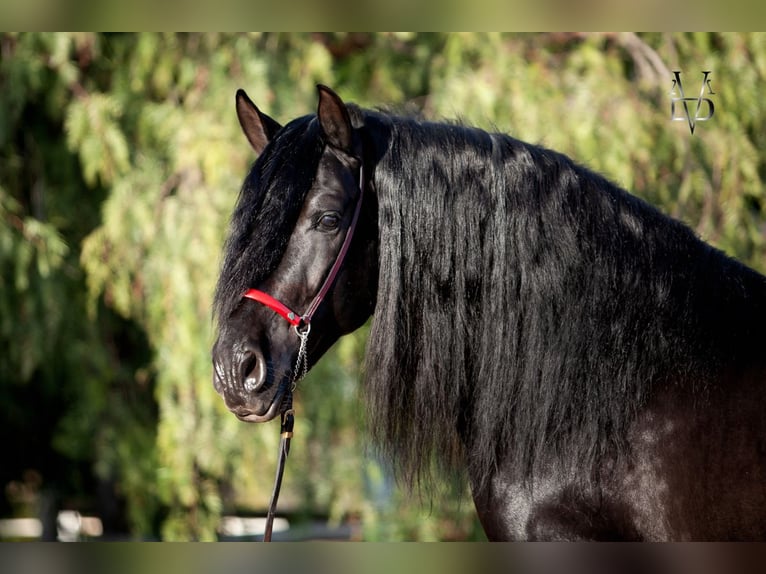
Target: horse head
x,y
300,258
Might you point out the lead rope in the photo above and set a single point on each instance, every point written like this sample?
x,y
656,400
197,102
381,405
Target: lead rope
x,y
284,449
286,428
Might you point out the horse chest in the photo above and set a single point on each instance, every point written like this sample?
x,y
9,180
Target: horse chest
x,y
559,507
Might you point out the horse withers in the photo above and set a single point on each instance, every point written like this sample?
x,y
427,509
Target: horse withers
x,y
596,370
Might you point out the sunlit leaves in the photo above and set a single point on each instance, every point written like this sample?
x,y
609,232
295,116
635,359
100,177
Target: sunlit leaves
x,y
94,133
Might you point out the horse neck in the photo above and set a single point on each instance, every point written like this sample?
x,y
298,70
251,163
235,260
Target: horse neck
x,y
525,293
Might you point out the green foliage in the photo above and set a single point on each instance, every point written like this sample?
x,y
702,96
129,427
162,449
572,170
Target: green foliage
x,y
31,253
121,158
69,397
93,131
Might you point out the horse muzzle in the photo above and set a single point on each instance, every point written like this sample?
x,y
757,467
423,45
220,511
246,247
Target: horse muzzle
x,y
249,415
247,384
254,407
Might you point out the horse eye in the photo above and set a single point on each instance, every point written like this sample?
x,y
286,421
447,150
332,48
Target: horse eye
x,y
329,221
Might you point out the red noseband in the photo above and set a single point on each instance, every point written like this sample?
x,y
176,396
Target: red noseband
x,y
291,316
304,320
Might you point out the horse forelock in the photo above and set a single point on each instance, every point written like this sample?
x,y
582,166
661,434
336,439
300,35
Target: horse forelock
x,y
523,304
267,209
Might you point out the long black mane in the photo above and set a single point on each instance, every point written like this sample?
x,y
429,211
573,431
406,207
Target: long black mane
x,y
528,306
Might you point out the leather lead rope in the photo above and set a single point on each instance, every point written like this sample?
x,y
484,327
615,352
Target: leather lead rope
x,y
288,420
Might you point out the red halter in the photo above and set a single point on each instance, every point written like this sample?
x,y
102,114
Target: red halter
x,y
304,320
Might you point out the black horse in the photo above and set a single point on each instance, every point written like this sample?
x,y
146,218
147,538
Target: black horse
x,y
597,370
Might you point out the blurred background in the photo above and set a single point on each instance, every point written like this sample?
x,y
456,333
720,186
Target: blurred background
x,y
120,162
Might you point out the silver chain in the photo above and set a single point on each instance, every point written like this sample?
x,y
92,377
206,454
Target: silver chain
x,y
302,363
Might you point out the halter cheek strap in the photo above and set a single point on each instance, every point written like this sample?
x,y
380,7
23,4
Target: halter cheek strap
x,y
304,320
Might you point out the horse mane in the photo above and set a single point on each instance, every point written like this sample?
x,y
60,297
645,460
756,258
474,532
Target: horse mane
x,y
527,307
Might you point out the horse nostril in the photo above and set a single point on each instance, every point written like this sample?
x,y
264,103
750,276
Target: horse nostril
x,y
254,369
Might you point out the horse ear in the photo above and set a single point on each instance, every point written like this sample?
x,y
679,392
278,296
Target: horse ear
x,y
334,119
258,127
